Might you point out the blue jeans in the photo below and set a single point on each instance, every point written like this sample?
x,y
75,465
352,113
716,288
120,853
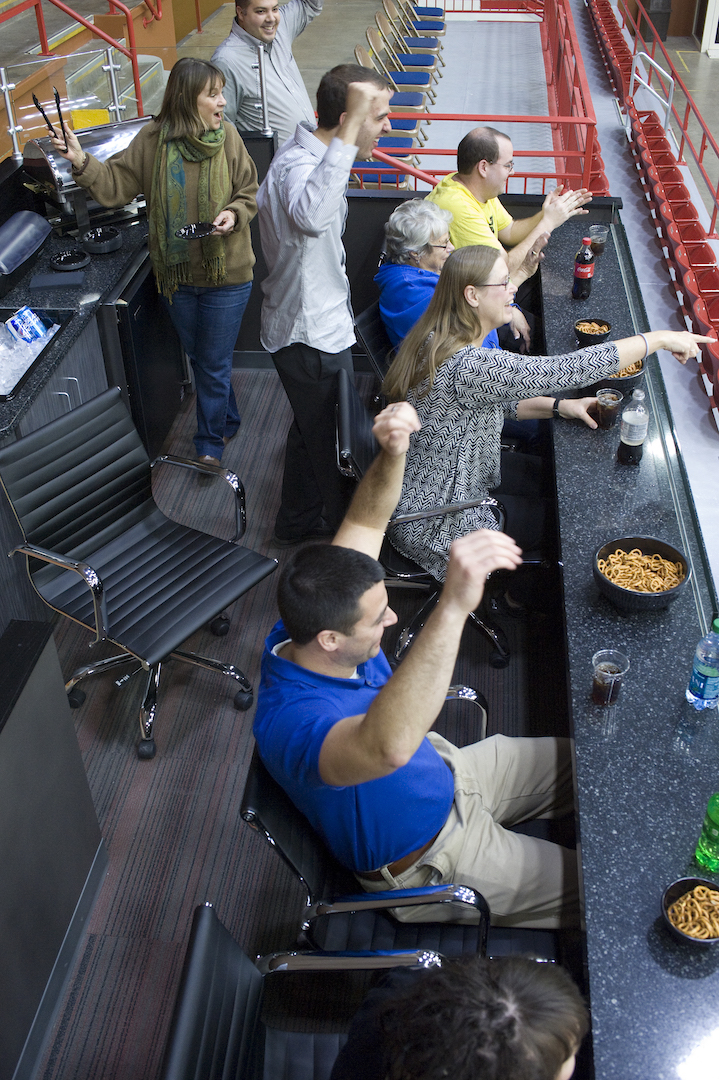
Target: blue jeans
x,y
207,321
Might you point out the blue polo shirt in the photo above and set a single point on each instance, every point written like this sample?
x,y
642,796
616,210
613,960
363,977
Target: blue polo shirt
x,y
367,825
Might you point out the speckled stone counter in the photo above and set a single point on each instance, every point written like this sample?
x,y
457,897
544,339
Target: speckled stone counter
x,y
646,767
102,273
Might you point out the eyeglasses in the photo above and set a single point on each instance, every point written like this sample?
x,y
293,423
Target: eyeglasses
x,y
496,284
447,243
508,165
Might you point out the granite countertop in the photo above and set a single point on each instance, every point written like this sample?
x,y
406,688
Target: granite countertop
x,y
100,276
646,767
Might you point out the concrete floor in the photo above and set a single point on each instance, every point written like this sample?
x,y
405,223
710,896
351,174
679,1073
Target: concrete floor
x,y
329,40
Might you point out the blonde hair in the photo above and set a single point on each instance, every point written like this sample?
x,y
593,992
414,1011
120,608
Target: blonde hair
x,y
448,324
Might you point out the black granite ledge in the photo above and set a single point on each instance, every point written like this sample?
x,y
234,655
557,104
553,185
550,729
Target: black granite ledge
x,y
646,767
100,276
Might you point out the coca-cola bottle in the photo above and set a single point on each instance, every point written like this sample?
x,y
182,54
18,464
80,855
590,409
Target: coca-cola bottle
x,y
583,270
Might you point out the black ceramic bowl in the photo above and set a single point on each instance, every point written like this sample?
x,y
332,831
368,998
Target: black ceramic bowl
x,y
102,240
585,339
671,894
626,600
624,384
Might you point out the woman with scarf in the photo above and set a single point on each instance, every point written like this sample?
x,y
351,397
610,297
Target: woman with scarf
x,y
192,167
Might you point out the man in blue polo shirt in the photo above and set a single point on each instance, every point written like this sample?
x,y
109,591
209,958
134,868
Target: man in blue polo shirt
x,y
352,745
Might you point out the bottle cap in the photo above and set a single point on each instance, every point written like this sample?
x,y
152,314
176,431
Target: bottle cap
x,y
715,626
586,239
639,395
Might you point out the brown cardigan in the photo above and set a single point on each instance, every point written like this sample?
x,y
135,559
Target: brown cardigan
x,y
122,177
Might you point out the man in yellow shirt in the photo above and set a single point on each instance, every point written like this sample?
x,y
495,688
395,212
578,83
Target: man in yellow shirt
x,y
484,163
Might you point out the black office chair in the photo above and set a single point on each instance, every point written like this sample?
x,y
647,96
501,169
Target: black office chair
x,y
356,449
100,551
337,915
372,336
217,1031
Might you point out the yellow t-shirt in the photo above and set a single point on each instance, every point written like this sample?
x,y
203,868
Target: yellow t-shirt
x,y
473,222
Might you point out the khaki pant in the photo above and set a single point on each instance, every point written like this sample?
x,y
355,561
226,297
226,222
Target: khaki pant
x,y
526,881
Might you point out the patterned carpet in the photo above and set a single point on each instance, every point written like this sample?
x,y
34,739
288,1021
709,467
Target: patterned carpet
x,y
172,825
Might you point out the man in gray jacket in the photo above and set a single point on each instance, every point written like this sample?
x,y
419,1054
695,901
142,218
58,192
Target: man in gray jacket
x,y
260,22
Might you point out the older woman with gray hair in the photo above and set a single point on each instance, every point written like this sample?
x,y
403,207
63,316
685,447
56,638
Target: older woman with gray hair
x,y
417,246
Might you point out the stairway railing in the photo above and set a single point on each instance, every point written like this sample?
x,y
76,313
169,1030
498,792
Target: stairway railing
x,y
129,51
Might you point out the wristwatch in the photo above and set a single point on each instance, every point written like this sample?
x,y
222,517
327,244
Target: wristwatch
x,y
555,408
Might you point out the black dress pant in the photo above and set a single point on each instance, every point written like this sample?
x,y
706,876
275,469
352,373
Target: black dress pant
x,y
312,486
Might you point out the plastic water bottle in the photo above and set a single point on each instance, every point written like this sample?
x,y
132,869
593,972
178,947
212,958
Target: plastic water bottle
x,y
633,430
703,688
707,850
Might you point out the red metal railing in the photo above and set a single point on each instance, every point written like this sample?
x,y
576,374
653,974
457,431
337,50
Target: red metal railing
x,y
525,7
575,153
130,51
575,165
691,130
701,142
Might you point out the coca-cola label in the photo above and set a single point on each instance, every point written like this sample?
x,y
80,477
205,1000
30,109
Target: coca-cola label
x,y
584,270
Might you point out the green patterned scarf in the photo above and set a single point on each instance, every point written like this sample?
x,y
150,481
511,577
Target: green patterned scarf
x,y
168,210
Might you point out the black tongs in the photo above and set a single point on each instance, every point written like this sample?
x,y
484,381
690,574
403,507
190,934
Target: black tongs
x,y
59,114
44,115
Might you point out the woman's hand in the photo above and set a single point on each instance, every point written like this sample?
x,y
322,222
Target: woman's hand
x,y
225,222
75,153
578,409
520,328
681,344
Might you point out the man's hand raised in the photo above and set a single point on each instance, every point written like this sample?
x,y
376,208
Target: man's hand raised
x,y
361,100
472,559
560,205
393,427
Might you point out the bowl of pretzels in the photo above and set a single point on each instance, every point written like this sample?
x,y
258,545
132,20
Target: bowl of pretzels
x,y
690,907
592,331
640,573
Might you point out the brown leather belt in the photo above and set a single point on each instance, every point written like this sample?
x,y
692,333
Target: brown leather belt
x,y
400,865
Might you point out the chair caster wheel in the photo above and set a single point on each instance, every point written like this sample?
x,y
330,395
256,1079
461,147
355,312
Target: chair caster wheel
x,y
243,700
146,749
220,626
75,697
496,660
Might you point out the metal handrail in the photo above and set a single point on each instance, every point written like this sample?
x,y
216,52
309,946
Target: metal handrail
x,y
644,58
524,7
571,113
129,51
707,139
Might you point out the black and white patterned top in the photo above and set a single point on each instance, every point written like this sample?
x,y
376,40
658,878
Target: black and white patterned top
x,y
456,455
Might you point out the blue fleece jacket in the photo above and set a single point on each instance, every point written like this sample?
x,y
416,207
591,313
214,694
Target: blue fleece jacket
x,y
405,293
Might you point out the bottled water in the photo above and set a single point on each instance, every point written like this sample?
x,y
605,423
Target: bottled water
x,y
703,688
707,851
633,431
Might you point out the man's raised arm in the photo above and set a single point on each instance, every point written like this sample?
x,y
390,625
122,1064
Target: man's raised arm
x,y
361,748
378,493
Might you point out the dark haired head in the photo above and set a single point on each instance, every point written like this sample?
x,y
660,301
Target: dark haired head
x,y
478,1019
320,589
187,80
480,144
332,91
